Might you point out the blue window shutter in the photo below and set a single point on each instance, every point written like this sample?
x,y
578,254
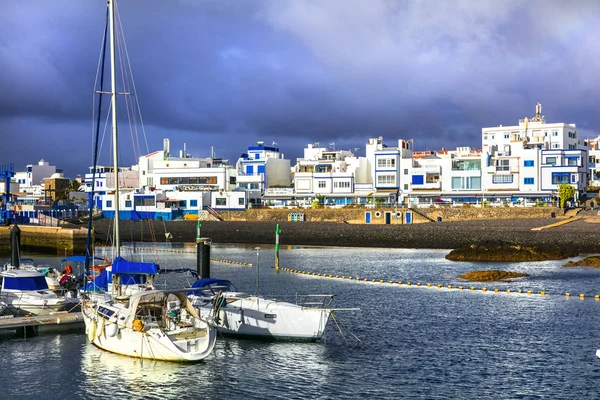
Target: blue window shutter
x,y
417,179
249,169
261,169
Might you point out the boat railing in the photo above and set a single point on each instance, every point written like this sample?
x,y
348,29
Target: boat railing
x,y
314,300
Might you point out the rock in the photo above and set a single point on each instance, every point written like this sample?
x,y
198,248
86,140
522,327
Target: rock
x,y
593,261
491,275
507,252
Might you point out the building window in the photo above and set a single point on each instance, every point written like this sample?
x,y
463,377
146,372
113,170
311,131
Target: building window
x,y
466,165
127,203
249,169
386,180
193,203
559,178
406,186
341,185
502,179
221,201
184,203
506,136
241,201
551,160
484,137
466,182
528,163
528,181
573,161
556,145
321,184
417,179
554,133
502,165
405,171
386,163
261,169
108,203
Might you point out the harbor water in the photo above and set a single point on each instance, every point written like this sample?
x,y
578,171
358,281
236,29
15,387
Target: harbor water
x,y
415,342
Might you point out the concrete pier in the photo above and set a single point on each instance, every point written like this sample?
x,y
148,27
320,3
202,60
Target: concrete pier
x,y
47,239
28,326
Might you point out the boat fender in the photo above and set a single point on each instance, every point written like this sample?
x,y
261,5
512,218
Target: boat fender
x,y
100,329
138,325
111,330
91,330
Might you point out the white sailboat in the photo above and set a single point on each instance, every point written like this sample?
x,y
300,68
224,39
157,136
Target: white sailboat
x,y
242,314
150,324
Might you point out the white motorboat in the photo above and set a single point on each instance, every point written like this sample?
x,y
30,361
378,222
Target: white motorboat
x,y
155,324
242,314
26,292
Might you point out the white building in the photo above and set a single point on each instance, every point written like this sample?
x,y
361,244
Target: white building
x,y
263,167
532,159
336,176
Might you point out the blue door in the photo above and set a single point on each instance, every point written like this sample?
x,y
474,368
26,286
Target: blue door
x,y
368,217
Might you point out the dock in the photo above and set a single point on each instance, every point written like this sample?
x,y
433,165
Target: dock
x,y
31,325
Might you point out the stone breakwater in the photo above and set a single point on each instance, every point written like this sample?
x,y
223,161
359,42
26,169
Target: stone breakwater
x,y
580,236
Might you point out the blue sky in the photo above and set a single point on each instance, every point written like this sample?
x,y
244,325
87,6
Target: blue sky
x,y
229,73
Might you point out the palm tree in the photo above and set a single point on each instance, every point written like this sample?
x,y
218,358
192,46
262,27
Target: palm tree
x,y
74,185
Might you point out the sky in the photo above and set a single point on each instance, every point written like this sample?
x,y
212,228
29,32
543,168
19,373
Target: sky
x,y
225,74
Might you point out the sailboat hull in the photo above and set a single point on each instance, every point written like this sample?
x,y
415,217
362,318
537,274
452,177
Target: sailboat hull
x,y
153,343
269,319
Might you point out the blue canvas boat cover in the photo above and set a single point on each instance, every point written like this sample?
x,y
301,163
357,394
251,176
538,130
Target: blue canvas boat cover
x,y
100,284
208,283
121,266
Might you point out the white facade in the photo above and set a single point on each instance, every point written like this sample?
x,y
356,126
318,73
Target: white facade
x,y
324,172
169,174
263,167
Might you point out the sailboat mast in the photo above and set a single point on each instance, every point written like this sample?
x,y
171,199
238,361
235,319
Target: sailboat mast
x,y
115,136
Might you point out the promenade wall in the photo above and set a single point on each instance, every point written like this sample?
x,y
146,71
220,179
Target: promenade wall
x,y
357,215
47,239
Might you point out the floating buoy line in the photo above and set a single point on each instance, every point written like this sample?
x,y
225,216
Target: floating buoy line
x,y
181,251
356,279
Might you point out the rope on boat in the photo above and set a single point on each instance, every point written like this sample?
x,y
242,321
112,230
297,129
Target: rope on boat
x,y
337,324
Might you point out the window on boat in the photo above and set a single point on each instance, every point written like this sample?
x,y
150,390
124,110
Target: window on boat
x,y
25,283
105,312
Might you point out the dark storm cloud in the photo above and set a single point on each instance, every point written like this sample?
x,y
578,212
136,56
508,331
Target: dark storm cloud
x,y
229,73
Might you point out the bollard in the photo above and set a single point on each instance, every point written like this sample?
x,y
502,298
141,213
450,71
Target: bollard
x,y
203,257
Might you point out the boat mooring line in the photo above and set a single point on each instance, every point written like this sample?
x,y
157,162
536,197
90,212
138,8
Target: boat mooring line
x,y
179,251
438,286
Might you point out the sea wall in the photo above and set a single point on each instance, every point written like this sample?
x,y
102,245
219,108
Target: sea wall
x,y
357,215
46,239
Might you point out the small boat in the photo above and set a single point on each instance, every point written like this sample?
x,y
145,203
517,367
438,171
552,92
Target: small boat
x,y
26,292
154,324
241,314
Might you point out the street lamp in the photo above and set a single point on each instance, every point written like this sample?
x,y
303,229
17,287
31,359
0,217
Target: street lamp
x,y
257,273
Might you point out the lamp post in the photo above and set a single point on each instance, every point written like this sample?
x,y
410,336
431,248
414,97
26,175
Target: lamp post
x,y
257,273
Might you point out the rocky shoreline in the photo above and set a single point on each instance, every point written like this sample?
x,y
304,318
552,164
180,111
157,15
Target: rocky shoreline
x,y
579,236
